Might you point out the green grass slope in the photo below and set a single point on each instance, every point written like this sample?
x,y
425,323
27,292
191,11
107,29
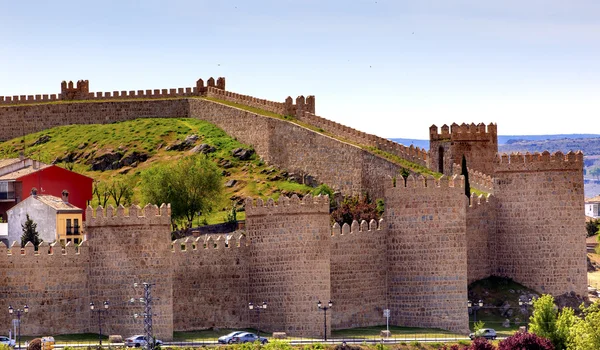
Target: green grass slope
x,y
151,137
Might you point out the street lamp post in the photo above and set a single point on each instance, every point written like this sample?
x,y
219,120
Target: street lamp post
x,y
475,306
526,303
324,308
19,312
99,311
258,308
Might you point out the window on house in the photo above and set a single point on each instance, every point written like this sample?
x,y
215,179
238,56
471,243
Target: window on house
x,y
76,226
69,228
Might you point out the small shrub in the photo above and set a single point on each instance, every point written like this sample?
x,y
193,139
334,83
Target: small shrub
x,y
525,341
481,344
464,342
35,344
436,345
415,343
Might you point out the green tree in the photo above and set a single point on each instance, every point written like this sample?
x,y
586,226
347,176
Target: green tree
x,y
102,193
193,186
565,321
121,191
30,233
543,320
591,227
465,173
585,333
595,172
355,208
323,189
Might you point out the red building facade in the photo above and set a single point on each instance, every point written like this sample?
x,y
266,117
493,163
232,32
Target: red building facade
x,y
51,180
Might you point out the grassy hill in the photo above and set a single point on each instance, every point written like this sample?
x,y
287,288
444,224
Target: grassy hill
x,y
130,148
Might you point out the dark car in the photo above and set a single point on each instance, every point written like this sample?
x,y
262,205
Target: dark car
x,y
486,333
248,338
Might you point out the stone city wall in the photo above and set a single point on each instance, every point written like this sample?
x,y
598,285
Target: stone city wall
x,y
477,179
54,285
301,150
69,92
126,248
540,209
481,237
270,106
290,262
20,120
413,154
210,283
427,253
358,274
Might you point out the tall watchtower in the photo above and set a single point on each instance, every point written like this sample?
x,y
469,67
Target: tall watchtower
x,y
476,143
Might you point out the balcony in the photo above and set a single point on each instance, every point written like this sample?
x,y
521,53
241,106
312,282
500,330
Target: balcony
x,y
73,230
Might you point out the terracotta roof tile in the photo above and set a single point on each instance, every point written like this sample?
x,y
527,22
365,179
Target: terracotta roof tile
x,y
57,203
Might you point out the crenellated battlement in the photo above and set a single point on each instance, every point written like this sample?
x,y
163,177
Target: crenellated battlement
x,y
209,244
411,153
70,92
44,249
456,181
271,106
356,228
477,179
285,205
480,202
544,161
465,132
149,215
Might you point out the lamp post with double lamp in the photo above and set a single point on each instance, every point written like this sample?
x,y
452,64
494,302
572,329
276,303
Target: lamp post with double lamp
x,y
19,312
99,311
475,306
324,308
258,308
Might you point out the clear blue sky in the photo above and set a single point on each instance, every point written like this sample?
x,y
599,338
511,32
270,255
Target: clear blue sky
x,y
387,67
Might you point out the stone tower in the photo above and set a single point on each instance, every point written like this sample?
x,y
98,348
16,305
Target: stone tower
x,y
127,248
477,144
427,253
290,262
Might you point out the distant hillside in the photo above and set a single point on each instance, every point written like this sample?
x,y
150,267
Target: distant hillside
x,y
588,143
589,146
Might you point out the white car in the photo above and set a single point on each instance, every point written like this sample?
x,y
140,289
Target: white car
x,y
139,341
228,339
7,341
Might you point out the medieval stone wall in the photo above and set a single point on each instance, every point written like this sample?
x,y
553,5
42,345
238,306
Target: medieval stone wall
x,y
478,144
126,248
301,150
22,120
54,285
210,283
290,262
358,274
427,253
81,91
541,224
481,237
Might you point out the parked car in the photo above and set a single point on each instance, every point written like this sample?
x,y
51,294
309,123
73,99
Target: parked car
x,y
228,339
7,341
246,337
139,341
486,333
